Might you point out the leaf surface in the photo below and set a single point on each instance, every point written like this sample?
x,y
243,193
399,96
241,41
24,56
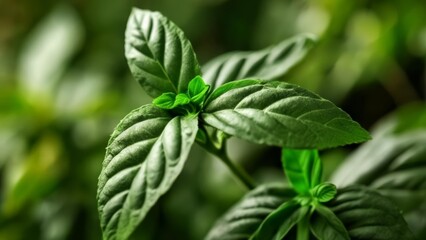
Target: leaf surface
x,y
280,114
279,222
159,55
268,64
303,169
325,225
242,220
368,215
144,156
365,214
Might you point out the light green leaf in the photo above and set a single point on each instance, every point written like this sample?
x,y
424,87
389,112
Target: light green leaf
x,y
181,99
144,156
325,225
324,192
165,100
197,90
242,220
303,169
279,222
268,64
368,215
160,57
280,114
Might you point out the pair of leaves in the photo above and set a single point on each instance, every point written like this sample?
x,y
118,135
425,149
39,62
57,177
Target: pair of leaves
x,y
186,103
149,147
364,213
304,170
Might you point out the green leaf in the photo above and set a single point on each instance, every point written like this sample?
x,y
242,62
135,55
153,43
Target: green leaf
x,y
365,214
280,114
303,169
268,64
197,90
181,99
159,55
324,192
396,167
325,225
279,222
242,220
144,156
165,101
368,215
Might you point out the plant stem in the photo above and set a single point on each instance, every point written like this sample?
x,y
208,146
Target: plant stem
x,y
303,229
239,172
219,150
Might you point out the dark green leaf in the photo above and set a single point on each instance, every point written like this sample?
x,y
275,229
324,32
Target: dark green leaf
x,y
268,64
303,169
368,215
325,225
197,90
394,163
242,220
280,114
160,57
144,156
324,192
279,222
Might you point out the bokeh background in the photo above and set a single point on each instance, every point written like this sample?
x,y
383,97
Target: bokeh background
x,y
65,84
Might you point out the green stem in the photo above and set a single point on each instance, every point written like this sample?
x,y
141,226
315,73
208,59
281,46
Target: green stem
x,y
239,172
303,229
221,153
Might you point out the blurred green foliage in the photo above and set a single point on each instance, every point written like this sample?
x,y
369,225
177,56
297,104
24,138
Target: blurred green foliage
x,y
65,85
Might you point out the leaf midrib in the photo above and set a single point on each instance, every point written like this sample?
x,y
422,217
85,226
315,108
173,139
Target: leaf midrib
x,y
138,28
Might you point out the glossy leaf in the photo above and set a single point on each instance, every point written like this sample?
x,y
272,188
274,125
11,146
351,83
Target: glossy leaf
x,y
242,220
303,169
369,215
144,156
325,225
160,57
268,64
279,222
280,114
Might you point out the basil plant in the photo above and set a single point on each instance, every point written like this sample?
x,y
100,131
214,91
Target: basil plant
x,y
232,95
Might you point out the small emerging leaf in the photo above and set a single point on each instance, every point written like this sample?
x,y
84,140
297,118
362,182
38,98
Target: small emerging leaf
x,y
280,114
181,99
324,192
303,169
165,101
197,90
